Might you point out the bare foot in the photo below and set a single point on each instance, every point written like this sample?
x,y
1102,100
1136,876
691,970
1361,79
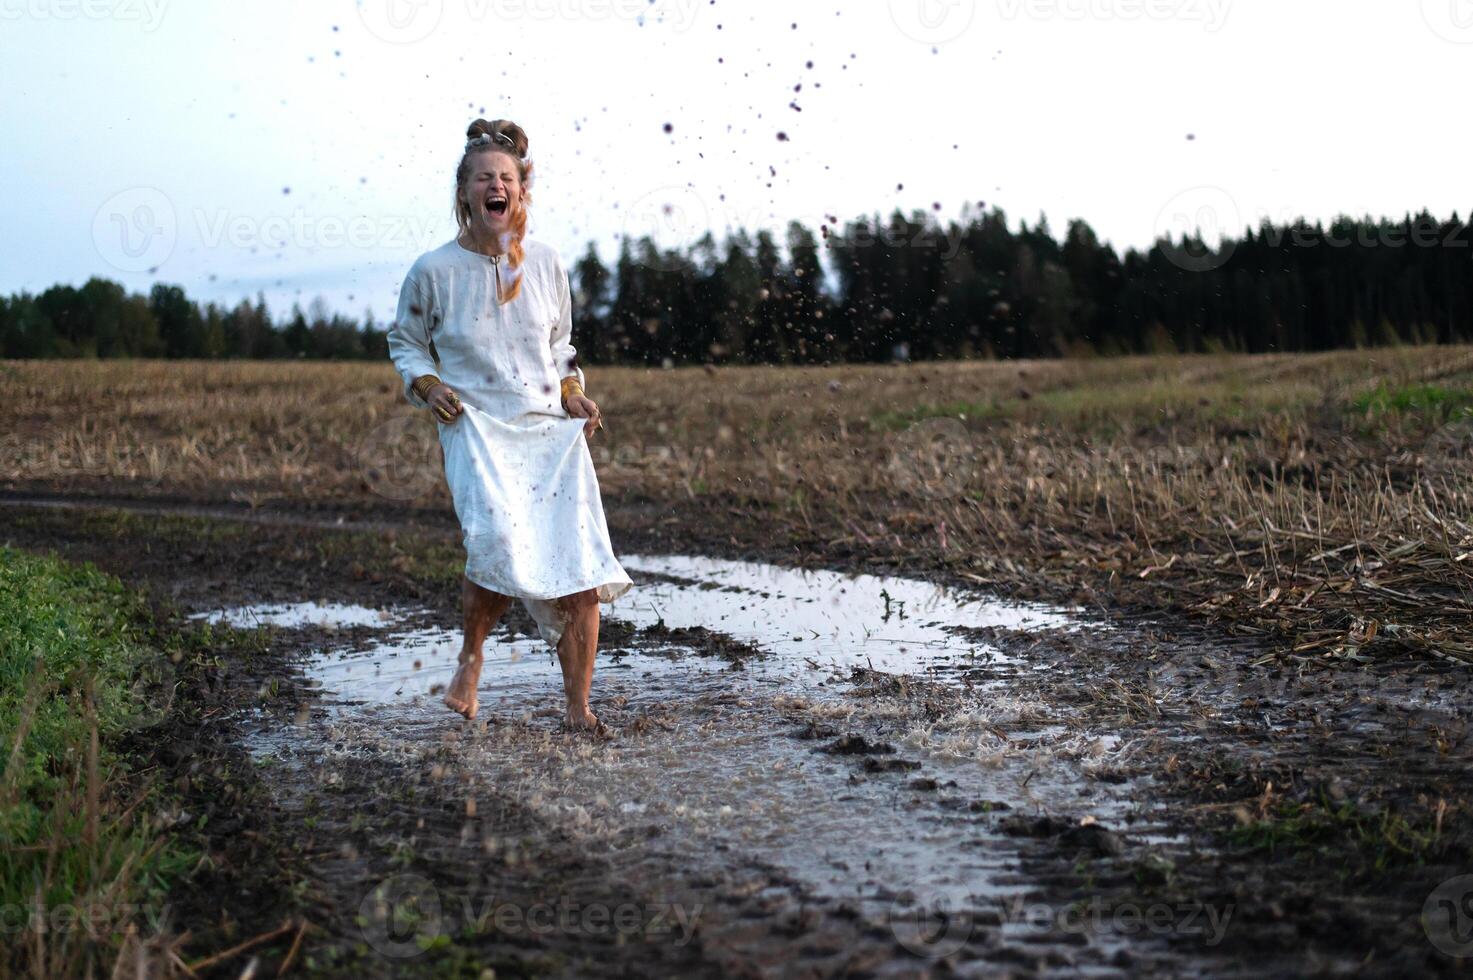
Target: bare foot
x,y
585,721
461,697
580,718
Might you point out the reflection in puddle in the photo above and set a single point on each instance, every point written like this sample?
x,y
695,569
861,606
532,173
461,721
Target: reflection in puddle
x,y
812,624
709,767
329,615
404,666
823,618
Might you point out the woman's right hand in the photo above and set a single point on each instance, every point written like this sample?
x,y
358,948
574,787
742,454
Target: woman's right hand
x,y
444,403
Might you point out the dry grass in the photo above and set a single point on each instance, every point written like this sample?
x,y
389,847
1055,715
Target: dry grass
x,y
1297,496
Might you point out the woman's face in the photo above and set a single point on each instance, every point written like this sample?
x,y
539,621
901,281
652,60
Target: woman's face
x,y
493,191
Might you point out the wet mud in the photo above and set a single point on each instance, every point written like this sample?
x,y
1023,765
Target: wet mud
x,y
815,772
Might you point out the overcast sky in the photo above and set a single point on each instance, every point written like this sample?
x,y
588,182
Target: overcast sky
x,y
306,149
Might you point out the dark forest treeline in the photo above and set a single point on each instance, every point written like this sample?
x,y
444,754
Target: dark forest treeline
x,y
100,319
903,287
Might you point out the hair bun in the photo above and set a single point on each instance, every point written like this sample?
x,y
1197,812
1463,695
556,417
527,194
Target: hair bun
x,y
503,134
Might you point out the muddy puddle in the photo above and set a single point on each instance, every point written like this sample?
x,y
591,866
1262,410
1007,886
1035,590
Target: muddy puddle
x,y
293,615
866,755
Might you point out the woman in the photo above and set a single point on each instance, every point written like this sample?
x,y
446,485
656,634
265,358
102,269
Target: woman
x,y
483,340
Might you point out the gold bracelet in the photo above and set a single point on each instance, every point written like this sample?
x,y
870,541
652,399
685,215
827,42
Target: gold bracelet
x,y
570,386
421,385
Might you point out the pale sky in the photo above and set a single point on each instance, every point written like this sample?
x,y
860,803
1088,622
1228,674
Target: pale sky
x,y
156,140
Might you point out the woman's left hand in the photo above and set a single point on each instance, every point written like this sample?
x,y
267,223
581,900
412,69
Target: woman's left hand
x,y
583,407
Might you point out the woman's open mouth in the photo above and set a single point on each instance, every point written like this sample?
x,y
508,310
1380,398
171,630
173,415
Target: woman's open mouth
x,y
496,205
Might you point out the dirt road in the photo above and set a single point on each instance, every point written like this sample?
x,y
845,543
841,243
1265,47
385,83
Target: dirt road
x,y
819,771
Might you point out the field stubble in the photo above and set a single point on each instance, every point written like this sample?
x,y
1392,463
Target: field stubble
x,y
1320,501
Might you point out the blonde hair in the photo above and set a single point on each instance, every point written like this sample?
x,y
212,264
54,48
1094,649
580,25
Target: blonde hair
x,y
497,129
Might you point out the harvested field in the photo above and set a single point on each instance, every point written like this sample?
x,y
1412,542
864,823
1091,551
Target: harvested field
x,y
1141,666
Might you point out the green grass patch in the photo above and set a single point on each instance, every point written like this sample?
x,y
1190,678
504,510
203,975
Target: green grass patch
x,y
1341,834
78,851
1437,401
1113,408
896,420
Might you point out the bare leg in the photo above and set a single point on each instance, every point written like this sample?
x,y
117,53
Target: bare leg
x,y
576,650
482,610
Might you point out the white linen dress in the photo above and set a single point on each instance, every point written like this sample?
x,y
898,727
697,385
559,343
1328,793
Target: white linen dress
x,y
517,464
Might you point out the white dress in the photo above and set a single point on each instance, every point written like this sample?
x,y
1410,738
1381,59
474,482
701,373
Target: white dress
x,y
517,464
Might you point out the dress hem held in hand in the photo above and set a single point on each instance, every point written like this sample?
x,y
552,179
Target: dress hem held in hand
x,y
517,465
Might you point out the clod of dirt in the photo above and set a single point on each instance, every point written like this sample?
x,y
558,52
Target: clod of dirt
x,y
1044,826
1094,838
1098,840
813,730
890,765
852,744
